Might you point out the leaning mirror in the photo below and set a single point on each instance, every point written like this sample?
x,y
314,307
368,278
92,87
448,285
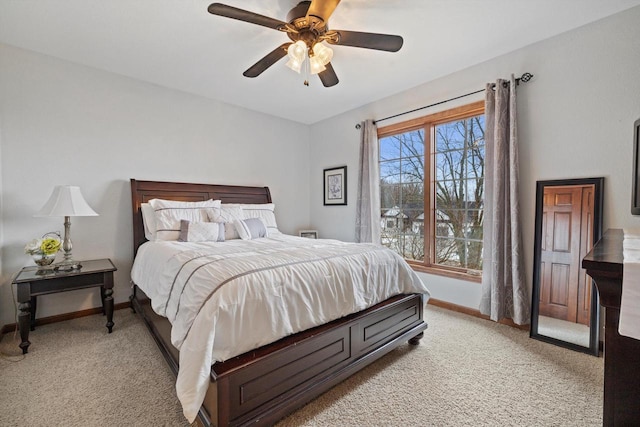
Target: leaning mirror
x,y
565,309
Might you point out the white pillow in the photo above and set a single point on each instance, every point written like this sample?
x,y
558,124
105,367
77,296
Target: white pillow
x,y
149,221
228,214
264,211
191,231
251,228
168,214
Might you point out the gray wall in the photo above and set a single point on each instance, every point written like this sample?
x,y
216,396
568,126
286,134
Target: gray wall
x,y
62,123
575,120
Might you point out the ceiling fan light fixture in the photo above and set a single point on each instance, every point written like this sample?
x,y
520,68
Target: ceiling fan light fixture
x,y
315,65
294,64
296,52
323,53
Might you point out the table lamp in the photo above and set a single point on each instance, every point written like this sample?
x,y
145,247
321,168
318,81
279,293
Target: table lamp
x,y
66,201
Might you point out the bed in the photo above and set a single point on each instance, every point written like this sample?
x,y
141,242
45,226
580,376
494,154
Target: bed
x,y
263,385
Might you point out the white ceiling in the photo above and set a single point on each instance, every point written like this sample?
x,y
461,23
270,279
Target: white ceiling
x,y
178,44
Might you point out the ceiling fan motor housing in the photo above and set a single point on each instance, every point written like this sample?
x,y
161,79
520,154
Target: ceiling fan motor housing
x,y
309,30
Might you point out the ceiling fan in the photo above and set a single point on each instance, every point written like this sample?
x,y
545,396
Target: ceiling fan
x,y
308,27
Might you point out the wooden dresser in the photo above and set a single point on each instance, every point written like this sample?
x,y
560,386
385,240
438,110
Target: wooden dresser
x,y
621,354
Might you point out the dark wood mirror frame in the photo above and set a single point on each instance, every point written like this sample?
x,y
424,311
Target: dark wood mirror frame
x,y
594,318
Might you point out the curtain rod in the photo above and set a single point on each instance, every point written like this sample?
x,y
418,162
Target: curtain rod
x,y
524,78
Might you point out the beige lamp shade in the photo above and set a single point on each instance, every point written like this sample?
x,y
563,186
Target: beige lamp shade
x,y
66,200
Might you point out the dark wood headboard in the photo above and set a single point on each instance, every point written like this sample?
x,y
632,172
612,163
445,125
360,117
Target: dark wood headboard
x,y
143,191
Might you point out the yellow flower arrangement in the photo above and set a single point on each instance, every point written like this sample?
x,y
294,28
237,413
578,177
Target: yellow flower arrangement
x,y
44,246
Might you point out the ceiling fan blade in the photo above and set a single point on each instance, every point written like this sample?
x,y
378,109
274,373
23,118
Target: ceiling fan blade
x,y
328,77
246,16
387,42
322,8
271,58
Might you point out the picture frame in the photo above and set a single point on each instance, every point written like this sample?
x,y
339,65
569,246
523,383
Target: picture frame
x,y
309,234
635,195
335,186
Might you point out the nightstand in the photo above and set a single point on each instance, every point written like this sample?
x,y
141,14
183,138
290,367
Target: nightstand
x,y
32,282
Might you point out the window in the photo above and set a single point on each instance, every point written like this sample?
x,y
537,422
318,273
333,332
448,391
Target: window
x,y
432,190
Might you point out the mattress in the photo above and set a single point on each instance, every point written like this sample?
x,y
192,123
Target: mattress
x,y
226,298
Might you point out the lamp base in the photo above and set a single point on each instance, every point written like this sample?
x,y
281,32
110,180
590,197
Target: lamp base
x,y
67,265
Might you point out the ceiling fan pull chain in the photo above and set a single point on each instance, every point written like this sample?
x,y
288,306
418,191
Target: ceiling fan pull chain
x,y
306,68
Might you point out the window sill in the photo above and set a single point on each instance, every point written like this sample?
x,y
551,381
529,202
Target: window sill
x,y
475,278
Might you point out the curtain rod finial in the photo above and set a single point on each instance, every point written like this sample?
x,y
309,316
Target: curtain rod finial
x,y
358,126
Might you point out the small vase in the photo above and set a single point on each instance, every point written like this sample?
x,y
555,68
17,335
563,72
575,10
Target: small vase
x,y
43,260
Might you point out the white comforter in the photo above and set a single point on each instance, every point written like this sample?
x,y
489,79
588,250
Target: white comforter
x,y
224,299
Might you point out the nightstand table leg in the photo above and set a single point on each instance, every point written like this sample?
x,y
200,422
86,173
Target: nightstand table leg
x,y
108,299
34,306
24,320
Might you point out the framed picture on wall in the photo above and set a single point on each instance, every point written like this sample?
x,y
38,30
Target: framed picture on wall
x,y
309,234
635,196
335,186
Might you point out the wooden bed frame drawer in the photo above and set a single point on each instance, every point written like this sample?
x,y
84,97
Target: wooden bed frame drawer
x,y
263,388
388,324
283,376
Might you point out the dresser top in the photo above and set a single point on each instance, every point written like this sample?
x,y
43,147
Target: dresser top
x,y
606,255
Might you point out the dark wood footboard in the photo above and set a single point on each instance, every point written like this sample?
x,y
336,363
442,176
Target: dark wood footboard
x,y
262,386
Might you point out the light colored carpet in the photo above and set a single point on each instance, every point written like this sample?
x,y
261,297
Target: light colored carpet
x,y
575,333
76,374
465,372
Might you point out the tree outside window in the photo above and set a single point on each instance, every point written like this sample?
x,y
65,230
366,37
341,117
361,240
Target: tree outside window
x,y
432,189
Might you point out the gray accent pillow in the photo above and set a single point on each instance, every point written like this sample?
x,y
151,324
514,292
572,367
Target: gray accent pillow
x,y
251,228
192,231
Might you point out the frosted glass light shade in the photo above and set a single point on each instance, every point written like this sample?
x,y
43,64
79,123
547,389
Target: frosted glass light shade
x,y
294,64
66,200
316,65
297,50
297,53
323,53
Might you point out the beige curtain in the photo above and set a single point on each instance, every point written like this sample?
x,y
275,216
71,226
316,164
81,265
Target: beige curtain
x,y
504,291
368,203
